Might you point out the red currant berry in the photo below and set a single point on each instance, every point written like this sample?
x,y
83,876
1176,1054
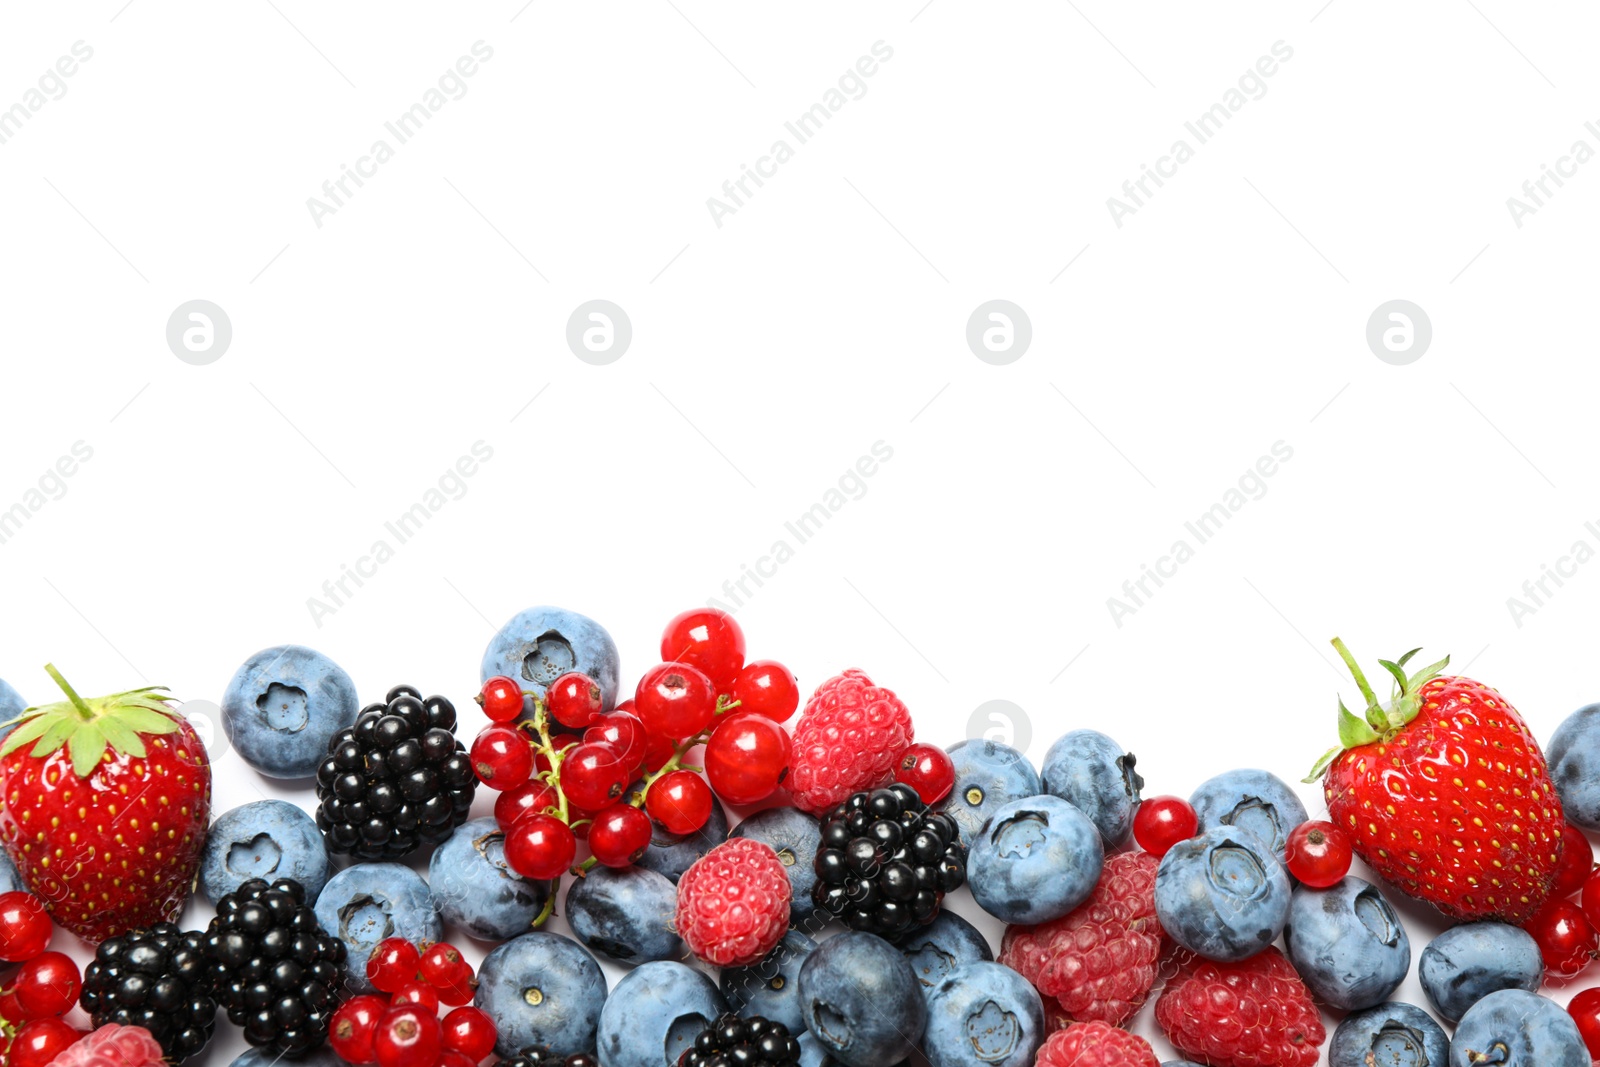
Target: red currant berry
x,y
1566,940
574,700
927,769
451,1058
680,801
747,758
501,698
502,757
48,985
40,1041
768,688
408,1037
657,751
532,795
1161,822
708,639
444,968
1318,854
619,835
675,700
1585,1011
392,964
624,732
540,847
353,1027
1577,861
593,776
419,994
24,926
470,1032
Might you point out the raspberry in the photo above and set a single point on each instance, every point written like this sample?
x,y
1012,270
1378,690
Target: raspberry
x,y
1099,960
113,1046
733,903
1256,1013
1096,1044
850,737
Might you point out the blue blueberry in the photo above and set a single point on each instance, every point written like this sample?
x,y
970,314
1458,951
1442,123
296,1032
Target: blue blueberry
x,y
1515,1028
364,904
983,1015
283,705
814,1054
1573,755
988,775
1389,1035
655,1013
794,836
10,878
771,988
943,945
542,989
1466,963
1258,802
475,889
1347,943
263,839
321,1057
541,644
1222,895
862,1000
671,854
11,705
626,915
1034,860
1089,770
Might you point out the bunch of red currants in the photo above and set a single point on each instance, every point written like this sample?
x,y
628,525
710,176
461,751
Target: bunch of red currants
x,y
43,989
403,1029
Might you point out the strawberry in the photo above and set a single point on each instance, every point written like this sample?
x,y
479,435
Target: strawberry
x,y
1446,794
105,809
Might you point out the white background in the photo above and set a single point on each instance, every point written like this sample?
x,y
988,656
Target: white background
x,y
827,314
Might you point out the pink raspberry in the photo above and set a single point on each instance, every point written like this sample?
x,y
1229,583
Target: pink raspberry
x,y
733,903
113,1046
1096,1044
1256,1013
1099,961
849,738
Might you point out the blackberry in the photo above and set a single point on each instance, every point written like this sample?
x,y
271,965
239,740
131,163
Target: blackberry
x,y
735,1042
396,779
272,967
886,862
154,977
539,1057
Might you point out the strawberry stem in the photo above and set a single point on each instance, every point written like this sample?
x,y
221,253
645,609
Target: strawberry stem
x,y
1355,669
72,694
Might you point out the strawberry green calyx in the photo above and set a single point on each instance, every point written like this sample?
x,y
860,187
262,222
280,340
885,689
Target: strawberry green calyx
x,y
1380,721
87,727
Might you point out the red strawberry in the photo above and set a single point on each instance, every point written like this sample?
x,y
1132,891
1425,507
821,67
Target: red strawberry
x,y
1446,794
106,808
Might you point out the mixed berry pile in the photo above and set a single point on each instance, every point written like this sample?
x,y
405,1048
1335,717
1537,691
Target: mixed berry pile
x,y
821,927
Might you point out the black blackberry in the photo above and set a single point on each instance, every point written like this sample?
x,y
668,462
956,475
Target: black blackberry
x,y
540,1057
886,861
396,779
272,967
735,1042
154,977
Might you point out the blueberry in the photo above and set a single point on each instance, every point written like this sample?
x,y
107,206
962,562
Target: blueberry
x,y
1573,755
771,988
983,1015
943,945
473,887
11,705
542,989
1515,1028
794,836
1034,860
988,775
655,1013
283,706
862,1000
1254,801
321,1057
541,644
671,854
626,915
1088,769
266,839
10,878
814,1054
1466,963
1347,943
1222,895
364,904
1389,1035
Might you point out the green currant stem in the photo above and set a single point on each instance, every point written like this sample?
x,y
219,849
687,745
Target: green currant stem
x,y
549,908
541,723
72,694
